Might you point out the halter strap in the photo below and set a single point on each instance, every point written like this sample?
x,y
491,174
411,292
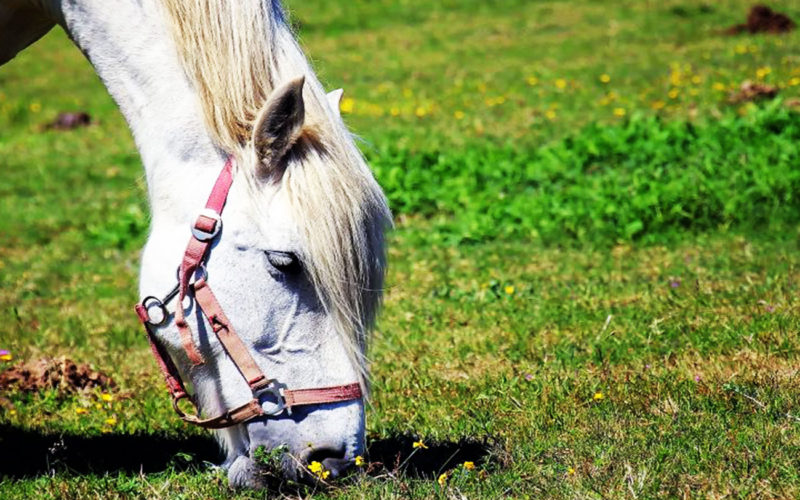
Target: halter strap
x,y
204,230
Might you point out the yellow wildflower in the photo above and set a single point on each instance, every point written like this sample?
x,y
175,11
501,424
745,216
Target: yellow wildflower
x,y
360,461
81,411
570,471
561,83
509,290
550,114
658,105
107,397
394,111
111,421
605,78
318,470
619,112
458,115
598,396
718,86
347,105
12,412
794,81
469,465
35,107
696,80
6,356
673,94
419,444
420,112
532,80
762,72
442,479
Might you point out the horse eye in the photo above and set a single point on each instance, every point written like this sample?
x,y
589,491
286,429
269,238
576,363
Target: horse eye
x,y
284,262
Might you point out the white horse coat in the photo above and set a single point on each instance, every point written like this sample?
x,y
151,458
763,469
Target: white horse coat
x,y
315,200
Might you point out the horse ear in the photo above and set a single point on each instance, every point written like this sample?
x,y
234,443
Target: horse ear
x,y
280,121
335,99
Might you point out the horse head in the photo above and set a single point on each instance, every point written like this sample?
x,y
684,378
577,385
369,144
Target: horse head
x,y
274,357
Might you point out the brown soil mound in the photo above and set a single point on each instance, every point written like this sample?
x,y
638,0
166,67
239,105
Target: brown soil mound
x,y
762,19
60,373
70,120
750,91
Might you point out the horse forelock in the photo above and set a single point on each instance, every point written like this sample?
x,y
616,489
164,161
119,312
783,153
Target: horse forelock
x,y
234,54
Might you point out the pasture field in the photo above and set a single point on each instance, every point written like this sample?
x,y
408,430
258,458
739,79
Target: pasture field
x,y
593,276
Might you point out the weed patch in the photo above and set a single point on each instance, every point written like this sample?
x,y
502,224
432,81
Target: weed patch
x,y
637,181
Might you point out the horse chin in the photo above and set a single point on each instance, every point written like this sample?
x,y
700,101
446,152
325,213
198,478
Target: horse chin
x,y
244,473
283,448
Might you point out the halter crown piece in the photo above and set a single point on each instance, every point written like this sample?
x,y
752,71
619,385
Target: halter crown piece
x,y
270,397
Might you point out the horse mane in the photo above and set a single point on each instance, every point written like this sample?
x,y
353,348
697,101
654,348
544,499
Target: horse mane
x,y
234,54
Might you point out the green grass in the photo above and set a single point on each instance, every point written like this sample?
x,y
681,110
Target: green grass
x,y
646,179
549,248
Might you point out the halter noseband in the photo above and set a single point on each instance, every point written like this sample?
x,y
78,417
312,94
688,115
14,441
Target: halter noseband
x,y
270,398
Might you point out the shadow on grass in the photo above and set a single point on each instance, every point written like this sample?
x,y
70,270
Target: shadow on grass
x,y
33,453
397,453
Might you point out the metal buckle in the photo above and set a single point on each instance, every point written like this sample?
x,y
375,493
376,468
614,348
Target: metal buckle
x,y
271,409
201,235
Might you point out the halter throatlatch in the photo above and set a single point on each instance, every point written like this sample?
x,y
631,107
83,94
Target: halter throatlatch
x,y
270,398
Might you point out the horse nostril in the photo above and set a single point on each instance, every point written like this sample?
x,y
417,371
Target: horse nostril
x,y
332,460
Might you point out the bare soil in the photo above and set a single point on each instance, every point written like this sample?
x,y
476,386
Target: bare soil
x,y
752,91
48,373
70,120
762,19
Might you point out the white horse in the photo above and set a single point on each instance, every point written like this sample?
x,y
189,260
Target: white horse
x,y
299,263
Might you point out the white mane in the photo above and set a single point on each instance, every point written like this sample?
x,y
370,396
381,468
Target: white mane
x,y
235,53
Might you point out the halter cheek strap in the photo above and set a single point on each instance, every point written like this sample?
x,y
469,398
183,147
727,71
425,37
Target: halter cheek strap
x,y
270,398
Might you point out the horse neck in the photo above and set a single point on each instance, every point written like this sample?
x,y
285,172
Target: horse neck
x,y
129,45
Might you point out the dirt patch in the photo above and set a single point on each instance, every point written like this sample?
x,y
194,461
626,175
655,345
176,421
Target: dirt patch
x,y
70,120
48,373
751,91
762,19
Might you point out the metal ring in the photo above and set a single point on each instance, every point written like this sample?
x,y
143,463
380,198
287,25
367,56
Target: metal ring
x,y
150,302
181,413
